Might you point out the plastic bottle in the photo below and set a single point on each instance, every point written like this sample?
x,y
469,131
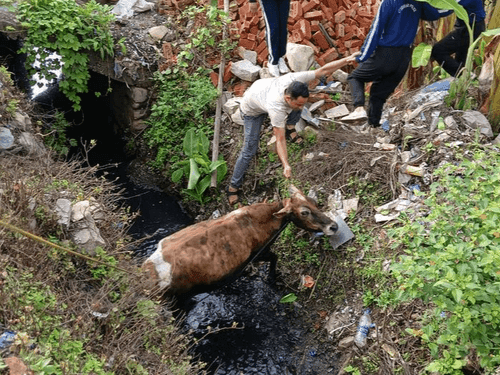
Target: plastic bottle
x,y
364,325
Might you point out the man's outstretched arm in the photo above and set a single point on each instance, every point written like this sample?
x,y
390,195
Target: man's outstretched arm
x,y
329,68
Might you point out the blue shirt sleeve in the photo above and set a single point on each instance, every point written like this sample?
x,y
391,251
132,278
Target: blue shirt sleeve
x,y
429,13
376,30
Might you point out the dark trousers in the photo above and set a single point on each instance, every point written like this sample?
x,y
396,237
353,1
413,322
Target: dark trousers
x,y
456,42
275,13
385,69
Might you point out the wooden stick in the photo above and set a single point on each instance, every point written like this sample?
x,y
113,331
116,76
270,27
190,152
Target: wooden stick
x,y
218,110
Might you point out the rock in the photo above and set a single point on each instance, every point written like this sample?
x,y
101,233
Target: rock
x,y
6,139
86,235
245,70
139,94
247,55
338,111
316,105
477,120
63,210
32,146
300,57
158,32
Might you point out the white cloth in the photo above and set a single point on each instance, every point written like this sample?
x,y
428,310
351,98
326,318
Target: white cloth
x,y
267,95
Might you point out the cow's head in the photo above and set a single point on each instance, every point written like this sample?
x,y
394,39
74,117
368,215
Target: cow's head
x,y
304,213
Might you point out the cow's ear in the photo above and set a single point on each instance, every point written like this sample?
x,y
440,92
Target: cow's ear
x,y
287,208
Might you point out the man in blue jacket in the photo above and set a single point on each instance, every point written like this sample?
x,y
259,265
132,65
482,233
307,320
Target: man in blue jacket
x,y
457,42
386,54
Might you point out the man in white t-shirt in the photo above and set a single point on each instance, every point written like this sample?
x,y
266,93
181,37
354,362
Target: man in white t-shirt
x,y
282,99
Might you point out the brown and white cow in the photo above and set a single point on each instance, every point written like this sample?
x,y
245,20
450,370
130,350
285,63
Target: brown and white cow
x,y
206,253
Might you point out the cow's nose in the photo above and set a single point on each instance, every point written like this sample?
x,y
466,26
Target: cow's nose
x,y
331,229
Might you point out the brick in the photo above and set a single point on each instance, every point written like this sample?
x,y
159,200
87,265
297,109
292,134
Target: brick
x,y
295,11
320,40
254,30
329,55
306,7
353,50
362,12
313,15
215,78
262,56
240,88
262,46
248,44
333,5
351,13
320,61
339,30
328,13
356,43
227,72
340,16
296,36
167,51
252,37
305,27
314,26
316,97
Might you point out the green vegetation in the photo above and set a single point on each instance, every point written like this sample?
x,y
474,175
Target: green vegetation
x,y
452,261
55,136
205,39
70,30
197,167
183,103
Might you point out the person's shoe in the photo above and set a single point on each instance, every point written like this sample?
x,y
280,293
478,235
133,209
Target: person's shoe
x,y
283,68
356,115
233,195
274,70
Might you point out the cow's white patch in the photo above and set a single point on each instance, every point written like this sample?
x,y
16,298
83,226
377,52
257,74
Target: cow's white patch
x,y
163,269
237,212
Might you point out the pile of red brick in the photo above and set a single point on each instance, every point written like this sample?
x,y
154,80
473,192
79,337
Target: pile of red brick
x,y
333,28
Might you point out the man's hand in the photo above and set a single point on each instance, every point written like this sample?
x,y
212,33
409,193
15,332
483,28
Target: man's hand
x,y
287,171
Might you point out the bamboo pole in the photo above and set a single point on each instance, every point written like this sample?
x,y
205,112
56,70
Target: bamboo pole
x,y
218,111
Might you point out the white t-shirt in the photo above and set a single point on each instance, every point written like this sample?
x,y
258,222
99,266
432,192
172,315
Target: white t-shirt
x,y
267,95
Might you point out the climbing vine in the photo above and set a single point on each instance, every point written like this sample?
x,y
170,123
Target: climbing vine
x,y
69,30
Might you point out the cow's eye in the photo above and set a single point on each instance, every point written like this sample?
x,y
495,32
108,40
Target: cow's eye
x,y
304,212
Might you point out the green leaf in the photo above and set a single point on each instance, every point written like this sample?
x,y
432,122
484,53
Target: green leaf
x,y
289,298
457,295
421,55
177,175
190,145
204,143
194,174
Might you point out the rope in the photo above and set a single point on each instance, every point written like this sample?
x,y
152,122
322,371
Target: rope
x,y
13,228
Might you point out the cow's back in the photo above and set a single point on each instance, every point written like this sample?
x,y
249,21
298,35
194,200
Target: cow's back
x,y
209,251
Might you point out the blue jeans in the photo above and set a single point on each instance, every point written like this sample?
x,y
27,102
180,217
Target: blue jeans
x,y
252,128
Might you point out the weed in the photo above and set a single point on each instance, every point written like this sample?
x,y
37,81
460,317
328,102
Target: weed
x,y
182,104
71,30
452,261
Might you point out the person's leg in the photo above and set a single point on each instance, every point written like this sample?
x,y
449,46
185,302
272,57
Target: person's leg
x,y
392,63
450,44
283,12
250,147
270,12
367,71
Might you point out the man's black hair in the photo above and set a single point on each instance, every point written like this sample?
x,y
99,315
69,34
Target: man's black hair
x,y
297,89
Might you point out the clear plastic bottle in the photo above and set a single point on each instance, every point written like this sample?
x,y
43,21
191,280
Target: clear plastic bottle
x,y
364,325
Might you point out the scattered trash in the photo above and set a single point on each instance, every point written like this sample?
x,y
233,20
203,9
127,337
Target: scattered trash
x,y
330,88
312,353
364,325
311,156
308,117
343,233
385,146
338,111
413,170
307,281
385,126
7,339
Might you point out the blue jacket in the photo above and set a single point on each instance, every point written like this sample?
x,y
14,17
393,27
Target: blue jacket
x,y
396,24
475,10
